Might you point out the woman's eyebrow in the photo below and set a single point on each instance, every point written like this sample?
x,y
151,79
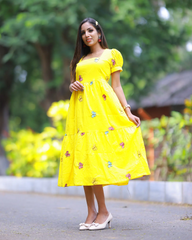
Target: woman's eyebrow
x,y
87,29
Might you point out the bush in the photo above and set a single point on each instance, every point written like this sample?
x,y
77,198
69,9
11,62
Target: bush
x,y
173,140
34,154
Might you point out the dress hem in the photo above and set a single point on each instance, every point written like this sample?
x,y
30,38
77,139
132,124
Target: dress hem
x,y
106,184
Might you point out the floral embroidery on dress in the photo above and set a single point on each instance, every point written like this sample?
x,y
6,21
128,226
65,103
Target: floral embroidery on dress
x,y
80,78
91,82
80,98
82,133
122,144
93,114
131,129
66,185
67,154
94,180
104,96
106,132
111,128
78,130
128,175
113,61
109,164
139,154
120,110
80,165
94,147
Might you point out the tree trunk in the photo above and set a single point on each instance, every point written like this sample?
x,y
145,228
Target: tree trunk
x,y
45,54
4,163
6,82
52,93
64,91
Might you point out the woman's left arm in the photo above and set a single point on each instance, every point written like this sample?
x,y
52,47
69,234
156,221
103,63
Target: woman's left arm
x,y
116,85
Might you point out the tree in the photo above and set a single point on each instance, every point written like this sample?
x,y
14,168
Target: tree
x,y
39,37
6,82
44,32
153,45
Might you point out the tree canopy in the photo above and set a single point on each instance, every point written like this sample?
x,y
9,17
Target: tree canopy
x,y
37,40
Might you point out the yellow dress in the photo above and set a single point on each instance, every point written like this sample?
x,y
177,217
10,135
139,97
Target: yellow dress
x,y
101,145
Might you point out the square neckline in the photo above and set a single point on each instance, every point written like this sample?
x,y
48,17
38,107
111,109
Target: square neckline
x,y
81,60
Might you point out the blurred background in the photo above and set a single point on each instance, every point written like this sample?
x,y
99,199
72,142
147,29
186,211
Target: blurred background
x,y
37,41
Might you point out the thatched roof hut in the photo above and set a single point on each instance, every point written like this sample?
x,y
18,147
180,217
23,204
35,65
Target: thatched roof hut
x,y
168,94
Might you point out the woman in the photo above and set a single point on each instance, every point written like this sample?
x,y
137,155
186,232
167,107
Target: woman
x,y
103,143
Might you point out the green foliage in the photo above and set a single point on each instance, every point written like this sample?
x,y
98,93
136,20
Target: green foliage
x,y
161,41
34,154
53,24
26,112
128,25
173,142
58,113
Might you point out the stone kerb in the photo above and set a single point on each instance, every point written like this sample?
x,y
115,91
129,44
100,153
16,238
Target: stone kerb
x,y
172,192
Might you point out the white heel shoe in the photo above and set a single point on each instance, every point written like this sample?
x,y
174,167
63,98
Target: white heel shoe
x,y
97,226
84,226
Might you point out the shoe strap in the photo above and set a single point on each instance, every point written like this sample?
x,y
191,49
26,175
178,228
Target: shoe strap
x,y
84,224
95,224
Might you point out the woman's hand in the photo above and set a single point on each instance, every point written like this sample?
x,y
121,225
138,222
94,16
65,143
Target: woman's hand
x,y
76,86
132,117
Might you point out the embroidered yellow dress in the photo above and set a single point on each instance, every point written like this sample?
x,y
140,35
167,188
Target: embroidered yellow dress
x,y
101,145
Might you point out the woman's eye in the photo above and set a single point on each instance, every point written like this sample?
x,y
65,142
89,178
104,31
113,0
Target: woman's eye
x,y
90,30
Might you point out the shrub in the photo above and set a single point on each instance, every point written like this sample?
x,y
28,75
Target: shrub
x,y
173,140
34,154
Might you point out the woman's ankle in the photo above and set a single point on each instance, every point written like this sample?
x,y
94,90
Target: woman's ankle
x,y
92,211
103,211
91,217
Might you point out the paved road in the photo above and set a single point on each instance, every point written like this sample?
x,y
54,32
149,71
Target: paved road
x,y
26,216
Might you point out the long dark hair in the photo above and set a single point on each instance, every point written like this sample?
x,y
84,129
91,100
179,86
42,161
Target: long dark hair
x,y
81,50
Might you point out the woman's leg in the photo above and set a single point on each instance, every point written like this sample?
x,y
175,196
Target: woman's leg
x,y
102,210
92,212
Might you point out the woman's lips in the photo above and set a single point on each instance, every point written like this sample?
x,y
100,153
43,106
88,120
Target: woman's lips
x,y
88,40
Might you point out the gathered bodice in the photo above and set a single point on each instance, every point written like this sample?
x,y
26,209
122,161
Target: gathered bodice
x,y
99,68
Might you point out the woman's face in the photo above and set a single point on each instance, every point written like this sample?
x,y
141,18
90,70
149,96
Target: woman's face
x,y
89,34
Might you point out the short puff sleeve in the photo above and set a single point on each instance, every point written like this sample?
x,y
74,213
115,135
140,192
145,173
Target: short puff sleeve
x,y
116,61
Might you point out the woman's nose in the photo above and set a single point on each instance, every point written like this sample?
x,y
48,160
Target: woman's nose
x,y
86,33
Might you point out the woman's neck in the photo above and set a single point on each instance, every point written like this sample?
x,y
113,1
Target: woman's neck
x,y
95,49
